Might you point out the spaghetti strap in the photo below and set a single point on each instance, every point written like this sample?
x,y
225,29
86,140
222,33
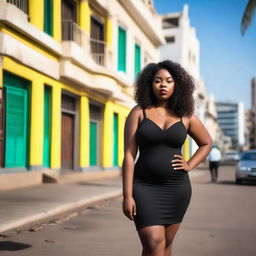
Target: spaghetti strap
x,y
144,113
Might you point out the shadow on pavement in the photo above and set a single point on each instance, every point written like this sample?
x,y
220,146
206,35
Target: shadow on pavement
x,y
13,246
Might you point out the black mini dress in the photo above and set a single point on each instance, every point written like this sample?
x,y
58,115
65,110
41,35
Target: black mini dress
x,y
161,194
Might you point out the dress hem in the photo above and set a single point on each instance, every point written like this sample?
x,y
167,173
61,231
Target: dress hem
x,y
159,224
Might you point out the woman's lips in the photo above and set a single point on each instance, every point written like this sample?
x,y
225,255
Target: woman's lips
x,y
163,91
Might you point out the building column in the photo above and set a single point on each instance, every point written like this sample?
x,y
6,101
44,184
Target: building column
x,y
56,128
37,124
85,24
121,122
1,71
57,20
84,132
186,148
109,31
1,115
85,16
36,13
114,41
107,160
109,39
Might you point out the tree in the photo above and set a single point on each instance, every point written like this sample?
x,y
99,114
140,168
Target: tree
x,y
248,15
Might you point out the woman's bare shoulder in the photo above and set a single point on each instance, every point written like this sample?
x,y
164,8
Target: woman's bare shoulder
x,y
135,116
136,111
188,120
193,118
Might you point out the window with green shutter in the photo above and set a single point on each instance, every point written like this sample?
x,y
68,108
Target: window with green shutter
x,y
121,49
137,60
93,143
47,126
48,17
115,140
16,123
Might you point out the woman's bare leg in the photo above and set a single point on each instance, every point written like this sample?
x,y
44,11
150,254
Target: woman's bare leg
x,y
153,240
170,232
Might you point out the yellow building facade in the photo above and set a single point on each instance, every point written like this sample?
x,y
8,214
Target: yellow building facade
x,y
66,74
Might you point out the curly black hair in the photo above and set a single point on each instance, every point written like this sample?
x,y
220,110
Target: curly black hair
x,y
181,103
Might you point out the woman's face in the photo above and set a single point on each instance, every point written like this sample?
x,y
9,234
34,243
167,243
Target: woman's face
x,y
163,84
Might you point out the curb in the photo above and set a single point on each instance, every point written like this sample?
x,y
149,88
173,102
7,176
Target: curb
x,y
58,210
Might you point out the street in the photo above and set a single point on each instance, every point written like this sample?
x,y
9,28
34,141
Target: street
x,y
220,221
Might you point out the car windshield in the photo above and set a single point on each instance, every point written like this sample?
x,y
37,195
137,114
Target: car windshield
x,y
249,156
232,154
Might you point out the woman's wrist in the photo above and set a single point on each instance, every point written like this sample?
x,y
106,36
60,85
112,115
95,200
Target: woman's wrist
x,y
189,167
127,196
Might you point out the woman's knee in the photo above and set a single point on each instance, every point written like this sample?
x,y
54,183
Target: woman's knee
x,y
153,241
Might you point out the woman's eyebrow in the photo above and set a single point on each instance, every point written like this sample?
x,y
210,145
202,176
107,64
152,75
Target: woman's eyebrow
x,y
161,77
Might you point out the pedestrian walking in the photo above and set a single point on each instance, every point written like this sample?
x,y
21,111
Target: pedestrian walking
x,y
214,162
157,188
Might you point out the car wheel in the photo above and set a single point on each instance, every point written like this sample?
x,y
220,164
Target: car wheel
x,y
238,181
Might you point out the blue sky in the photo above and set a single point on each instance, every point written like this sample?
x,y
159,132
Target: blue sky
x,y
227,59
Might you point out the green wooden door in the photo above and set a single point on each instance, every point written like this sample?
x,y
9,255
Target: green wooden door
x,y
115,140
47,126
16,125
121,49
48,17
2,129
93,143
137,60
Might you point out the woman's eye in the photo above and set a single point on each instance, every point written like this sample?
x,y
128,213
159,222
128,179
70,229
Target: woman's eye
x,y
157,81
169,81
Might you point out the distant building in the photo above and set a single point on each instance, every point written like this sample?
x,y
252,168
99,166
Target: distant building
x,y
231,119
252,133
212,125
253,93
248,129
252,115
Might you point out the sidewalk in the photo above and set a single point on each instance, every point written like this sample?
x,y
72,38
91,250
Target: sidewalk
x,y
23,206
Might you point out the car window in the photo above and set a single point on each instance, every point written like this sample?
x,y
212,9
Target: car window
x,y
231,154
249,156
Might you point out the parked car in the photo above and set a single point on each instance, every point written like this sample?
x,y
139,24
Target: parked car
x,y
230,157
246,166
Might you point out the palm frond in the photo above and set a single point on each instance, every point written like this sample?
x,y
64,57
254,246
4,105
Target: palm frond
x,y
248,15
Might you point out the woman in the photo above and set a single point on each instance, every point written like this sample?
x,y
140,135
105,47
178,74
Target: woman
x,y
157,189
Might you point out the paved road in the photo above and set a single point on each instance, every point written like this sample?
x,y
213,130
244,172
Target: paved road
x,y
220,221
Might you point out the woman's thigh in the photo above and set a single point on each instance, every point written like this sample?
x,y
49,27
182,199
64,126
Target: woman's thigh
x,y
170,232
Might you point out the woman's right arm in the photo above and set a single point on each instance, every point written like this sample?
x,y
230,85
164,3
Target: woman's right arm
x,y
130,152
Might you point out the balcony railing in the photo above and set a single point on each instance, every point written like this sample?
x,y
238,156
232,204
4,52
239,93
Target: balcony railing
x,y
97,50
21,4
71,32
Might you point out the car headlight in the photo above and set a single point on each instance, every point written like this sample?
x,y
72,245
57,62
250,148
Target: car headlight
x,y
244,168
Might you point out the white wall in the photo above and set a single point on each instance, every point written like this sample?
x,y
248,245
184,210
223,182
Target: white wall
x,y
186,45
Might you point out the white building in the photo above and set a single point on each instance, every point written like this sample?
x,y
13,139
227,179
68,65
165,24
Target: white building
x,y
182,44
183,47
